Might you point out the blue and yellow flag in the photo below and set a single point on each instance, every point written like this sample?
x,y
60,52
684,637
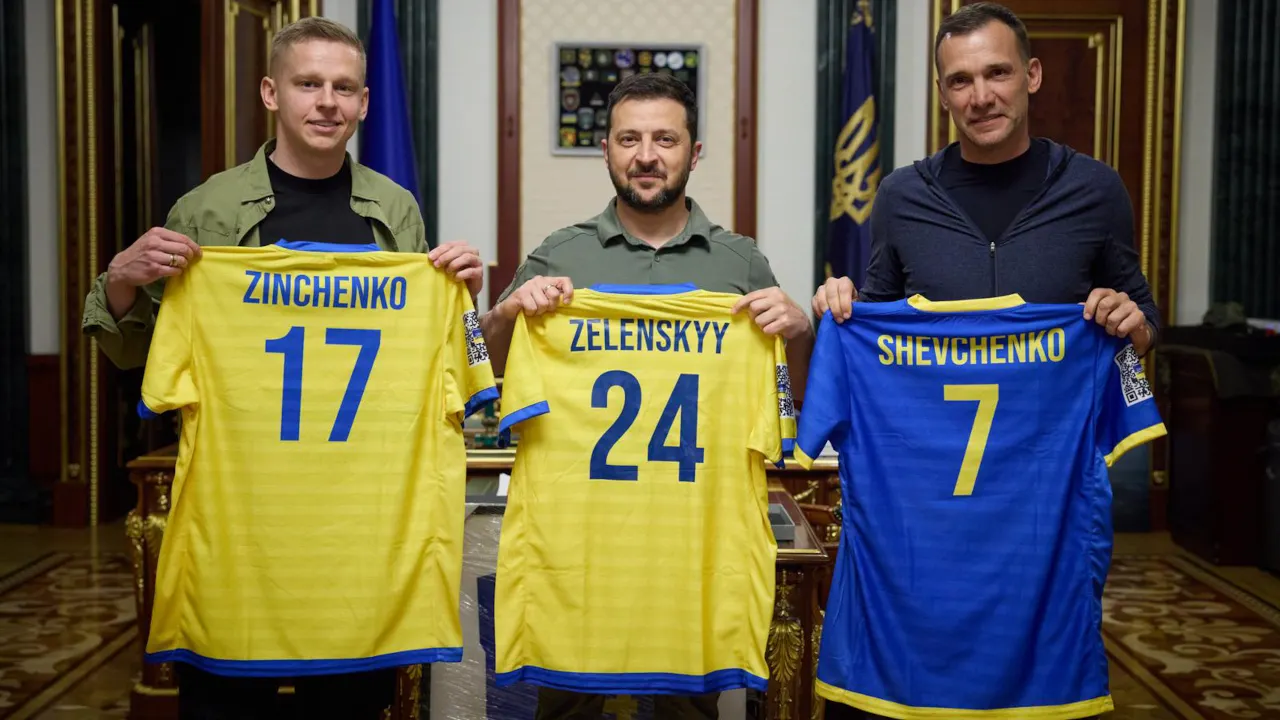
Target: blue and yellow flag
x,y
386,137
856,156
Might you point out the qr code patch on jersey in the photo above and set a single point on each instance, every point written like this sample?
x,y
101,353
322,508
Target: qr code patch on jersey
x,y
1133,381
782,375
477,351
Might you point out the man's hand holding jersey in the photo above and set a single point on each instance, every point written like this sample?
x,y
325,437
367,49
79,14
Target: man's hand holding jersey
x,y
538,296
159,253
1120,316
462,261
836,295
775,313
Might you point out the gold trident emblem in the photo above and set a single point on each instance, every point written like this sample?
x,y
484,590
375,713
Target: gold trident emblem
x,y
854,186
862,14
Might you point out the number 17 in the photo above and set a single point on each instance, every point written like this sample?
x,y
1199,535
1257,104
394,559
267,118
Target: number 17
x,y
291,347
987,396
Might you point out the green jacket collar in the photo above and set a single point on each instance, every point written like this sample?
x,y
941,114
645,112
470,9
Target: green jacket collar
x,y
256,183
257,198
608,226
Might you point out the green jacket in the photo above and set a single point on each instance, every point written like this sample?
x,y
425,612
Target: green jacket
x,y
227,209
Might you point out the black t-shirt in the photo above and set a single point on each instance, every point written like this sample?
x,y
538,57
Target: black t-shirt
x,y
993,195
313,210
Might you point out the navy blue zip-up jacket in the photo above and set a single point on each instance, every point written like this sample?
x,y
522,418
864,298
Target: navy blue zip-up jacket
x,y
1074,236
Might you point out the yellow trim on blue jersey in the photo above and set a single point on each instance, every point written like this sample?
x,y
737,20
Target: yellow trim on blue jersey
x,y
1084,708
1004,302
801,457
1141,437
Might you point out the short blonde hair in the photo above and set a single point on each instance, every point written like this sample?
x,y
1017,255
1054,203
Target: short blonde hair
x,y
315,28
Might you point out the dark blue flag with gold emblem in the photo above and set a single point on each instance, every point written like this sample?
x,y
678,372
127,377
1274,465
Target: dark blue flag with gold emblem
x,y
856,155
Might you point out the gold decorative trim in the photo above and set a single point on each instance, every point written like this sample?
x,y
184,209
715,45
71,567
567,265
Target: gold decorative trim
x,y
1176,191
228,84
91,148
1148,143
818,711
1158,144
117,92
785,646
61,134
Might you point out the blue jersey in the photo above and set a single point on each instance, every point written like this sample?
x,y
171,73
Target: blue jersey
x,y
974,440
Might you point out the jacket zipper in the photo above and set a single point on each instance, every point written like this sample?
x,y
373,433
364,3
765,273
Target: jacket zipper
x,y
994,285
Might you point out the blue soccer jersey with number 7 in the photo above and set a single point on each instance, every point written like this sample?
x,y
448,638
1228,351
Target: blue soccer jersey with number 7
x,y
318,499
974,441
636,554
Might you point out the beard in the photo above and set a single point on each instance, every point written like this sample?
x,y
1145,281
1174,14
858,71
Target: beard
x,y
667,196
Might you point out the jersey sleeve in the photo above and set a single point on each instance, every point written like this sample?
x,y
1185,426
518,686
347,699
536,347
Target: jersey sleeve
x,y
774,432
523,393
168,380
469,382
825,416
1128,416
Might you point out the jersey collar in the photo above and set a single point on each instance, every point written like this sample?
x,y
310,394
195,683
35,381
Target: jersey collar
x,y
1004,302
608,226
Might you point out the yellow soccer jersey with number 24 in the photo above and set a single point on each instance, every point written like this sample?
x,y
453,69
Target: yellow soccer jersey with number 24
x,y
636,553
316,524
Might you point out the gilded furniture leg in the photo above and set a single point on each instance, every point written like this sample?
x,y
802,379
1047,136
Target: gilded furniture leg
x,y
784,649
155,693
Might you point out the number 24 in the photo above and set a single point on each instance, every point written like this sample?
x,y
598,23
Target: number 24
x,y
683,400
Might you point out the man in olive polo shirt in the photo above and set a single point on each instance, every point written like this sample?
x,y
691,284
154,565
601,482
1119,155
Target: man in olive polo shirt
x,y
650,234
302,185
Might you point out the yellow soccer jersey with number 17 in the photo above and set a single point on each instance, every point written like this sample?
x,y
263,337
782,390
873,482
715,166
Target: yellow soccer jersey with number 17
x,y
317,513
636,554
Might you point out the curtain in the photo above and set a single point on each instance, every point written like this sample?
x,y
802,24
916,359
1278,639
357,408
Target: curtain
x,y
1246,204
833,22
13,245
419,24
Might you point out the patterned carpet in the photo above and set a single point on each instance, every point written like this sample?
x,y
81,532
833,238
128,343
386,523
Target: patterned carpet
x,y
1184,642
61,617
1202,646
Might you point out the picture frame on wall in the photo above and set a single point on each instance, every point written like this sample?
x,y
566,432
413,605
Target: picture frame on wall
x,y
584,73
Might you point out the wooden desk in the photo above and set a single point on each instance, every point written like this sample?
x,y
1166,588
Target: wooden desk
x,y
793,635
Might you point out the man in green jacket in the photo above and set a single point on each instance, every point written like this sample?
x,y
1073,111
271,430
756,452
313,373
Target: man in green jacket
x,y
302,185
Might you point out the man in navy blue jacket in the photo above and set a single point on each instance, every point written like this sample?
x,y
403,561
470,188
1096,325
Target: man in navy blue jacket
x,y
1001,212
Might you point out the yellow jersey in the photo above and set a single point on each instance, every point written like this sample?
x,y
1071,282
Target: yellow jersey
x,y
636,554
317,507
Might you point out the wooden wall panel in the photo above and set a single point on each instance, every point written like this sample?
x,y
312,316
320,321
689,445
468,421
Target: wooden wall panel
x,y
234,49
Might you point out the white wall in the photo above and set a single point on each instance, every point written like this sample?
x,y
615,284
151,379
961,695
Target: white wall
x,y
1195,209
785,138
43,334
912,86
468,169
346,12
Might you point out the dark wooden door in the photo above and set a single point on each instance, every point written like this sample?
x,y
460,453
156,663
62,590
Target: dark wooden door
x,y
235,48
143,119
1112,89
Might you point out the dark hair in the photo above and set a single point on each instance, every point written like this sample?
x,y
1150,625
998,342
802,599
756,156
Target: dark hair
x,y
975,17
654,86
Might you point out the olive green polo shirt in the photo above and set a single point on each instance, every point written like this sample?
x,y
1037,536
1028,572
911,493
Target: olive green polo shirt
x,y
601,251
228,209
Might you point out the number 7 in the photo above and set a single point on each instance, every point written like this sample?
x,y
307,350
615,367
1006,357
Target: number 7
x,y
987,396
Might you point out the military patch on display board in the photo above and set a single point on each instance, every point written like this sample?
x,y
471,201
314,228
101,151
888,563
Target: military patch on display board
x,y
585,74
